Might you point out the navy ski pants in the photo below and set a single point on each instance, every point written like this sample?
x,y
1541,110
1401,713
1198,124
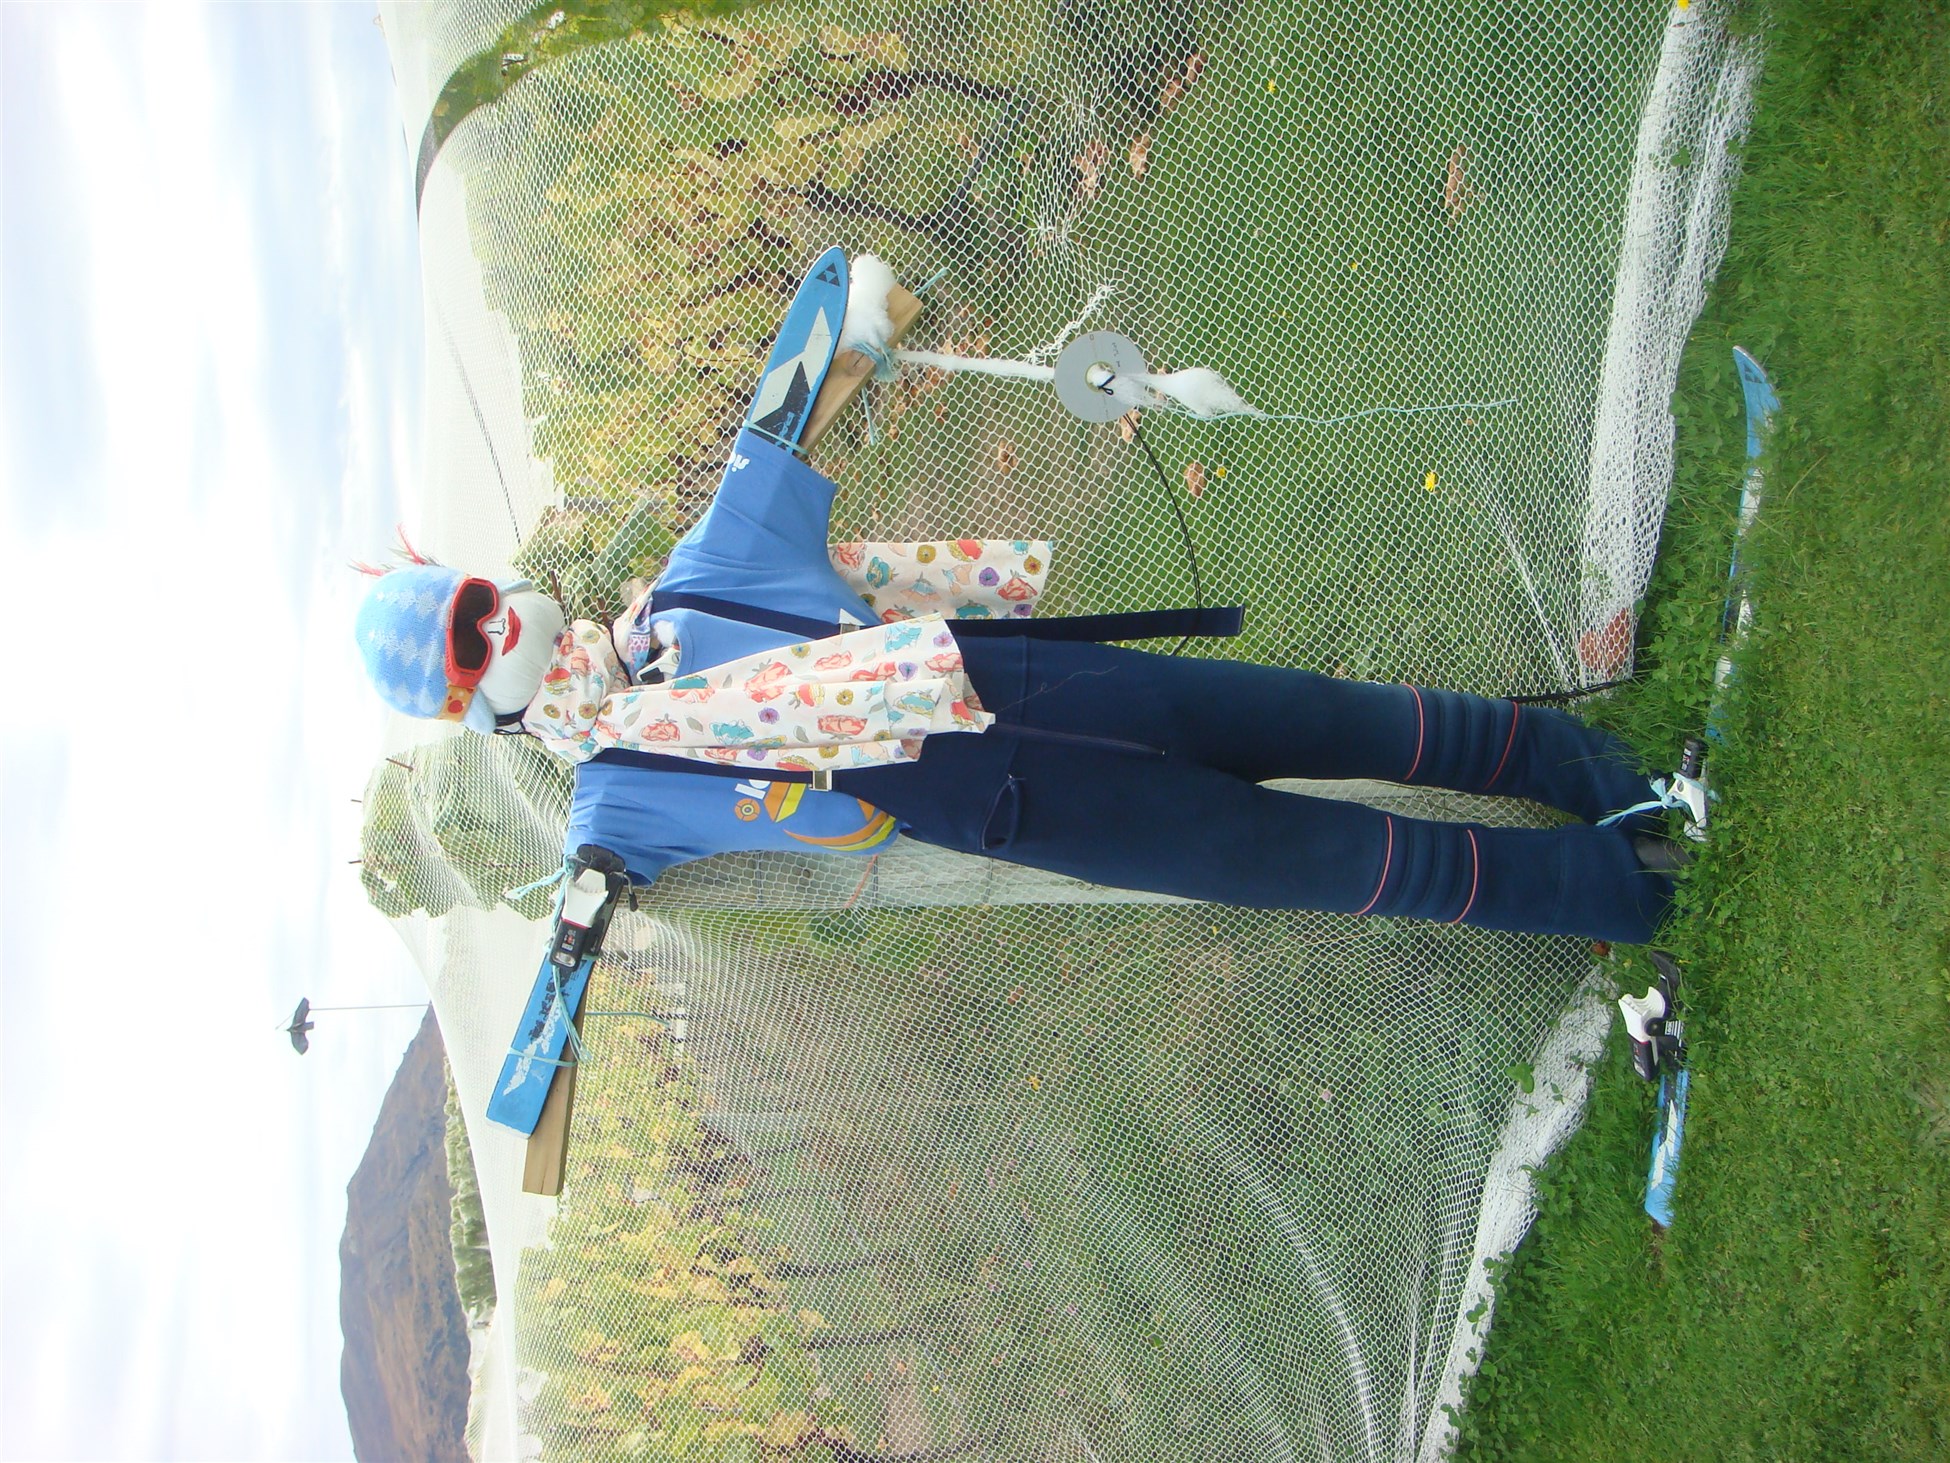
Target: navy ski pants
x,y
1143,771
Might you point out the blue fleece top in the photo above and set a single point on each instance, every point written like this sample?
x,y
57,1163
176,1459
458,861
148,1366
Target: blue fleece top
x,y
761,543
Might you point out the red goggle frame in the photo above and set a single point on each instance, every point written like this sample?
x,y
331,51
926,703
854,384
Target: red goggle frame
x,y
475,603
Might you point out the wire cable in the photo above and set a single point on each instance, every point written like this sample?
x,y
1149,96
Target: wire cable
x,y
1184,528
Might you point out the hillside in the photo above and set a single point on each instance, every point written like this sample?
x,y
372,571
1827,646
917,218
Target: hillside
x,y
404,1370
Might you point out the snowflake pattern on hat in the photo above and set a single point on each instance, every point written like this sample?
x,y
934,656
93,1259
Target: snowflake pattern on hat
x,y
402,629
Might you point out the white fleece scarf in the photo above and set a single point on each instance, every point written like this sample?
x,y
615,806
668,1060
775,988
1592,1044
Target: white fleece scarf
x,y
864,698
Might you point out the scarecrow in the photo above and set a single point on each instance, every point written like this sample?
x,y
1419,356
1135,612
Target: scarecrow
x,y
775,691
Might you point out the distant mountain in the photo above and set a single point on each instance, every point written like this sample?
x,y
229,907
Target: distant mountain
x,y
404,1370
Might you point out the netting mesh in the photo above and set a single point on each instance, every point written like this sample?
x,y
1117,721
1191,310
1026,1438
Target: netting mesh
x,y
928,1156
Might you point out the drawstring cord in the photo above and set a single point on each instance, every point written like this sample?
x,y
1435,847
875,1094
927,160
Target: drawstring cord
x,y
1666,796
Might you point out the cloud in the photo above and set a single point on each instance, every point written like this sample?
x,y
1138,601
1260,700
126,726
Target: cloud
x,y
235,296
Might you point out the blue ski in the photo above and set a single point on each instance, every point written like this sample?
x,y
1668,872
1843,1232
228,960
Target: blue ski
x,y
593,881
801,353
1660,1178
532,1062
1658,1008
1761,403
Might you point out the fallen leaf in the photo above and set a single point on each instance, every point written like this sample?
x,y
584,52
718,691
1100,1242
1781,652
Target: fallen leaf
x,y
1090,166
1194,64
1455,185
1606,651
1005,457
1428,483
1014,995
1194,479
1127,425
1140,154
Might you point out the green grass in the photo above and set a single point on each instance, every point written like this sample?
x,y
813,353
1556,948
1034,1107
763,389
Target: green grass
x,y
1296,239
953,1111
1288,227
1798,1308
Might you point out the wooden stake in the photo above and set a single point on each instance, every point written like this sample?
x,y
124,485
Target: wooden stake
x,y
851,371
548,1145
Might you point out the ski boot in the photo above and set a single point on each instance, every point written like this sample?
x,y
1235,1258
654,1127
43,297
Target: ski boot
x,y
597,880
1686,789
1658,1035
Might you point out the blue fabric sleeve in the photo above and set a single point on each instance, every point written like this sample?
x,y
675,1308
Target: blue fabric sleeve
x,y
763,539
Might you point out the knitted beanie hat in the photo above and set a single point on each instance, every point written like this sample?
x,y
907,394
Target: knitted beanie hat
x,y
402,627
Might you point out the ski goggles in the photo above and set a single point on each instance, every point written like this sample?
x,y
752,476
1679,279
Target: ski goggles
x,y
475,603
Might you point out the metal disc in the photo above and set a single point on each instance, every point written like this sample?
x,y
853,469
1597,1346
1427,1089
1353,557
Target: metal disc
x,y
1116,353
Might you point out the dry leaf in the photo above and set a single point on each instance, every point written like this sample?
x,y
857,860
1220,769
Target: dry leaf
x,y
1194,479
1005,456
1127,425
1090,165
1175,87
1606,651
1140,154
1455,186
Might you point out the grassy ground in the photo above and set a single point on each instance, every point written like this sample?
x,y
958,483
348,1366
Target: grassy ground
x,y
1797,1309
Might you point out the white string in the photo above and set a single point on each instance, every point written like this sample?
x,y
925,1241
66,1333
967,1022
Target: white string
x,y
1148,391
1353,416
980,365
1091,306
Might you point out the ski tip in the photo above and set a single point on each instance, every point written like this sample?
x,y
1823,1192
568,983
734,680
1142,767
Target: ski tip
x,y
802,351
1762,403
829,268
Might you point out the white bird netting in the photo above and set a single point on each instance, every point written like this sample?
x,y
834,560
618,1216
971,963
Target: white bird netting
x,y
931,1157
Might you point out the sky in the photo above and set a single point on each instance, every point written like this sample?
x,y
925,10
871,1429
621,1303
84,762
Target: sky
x,y
210,363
